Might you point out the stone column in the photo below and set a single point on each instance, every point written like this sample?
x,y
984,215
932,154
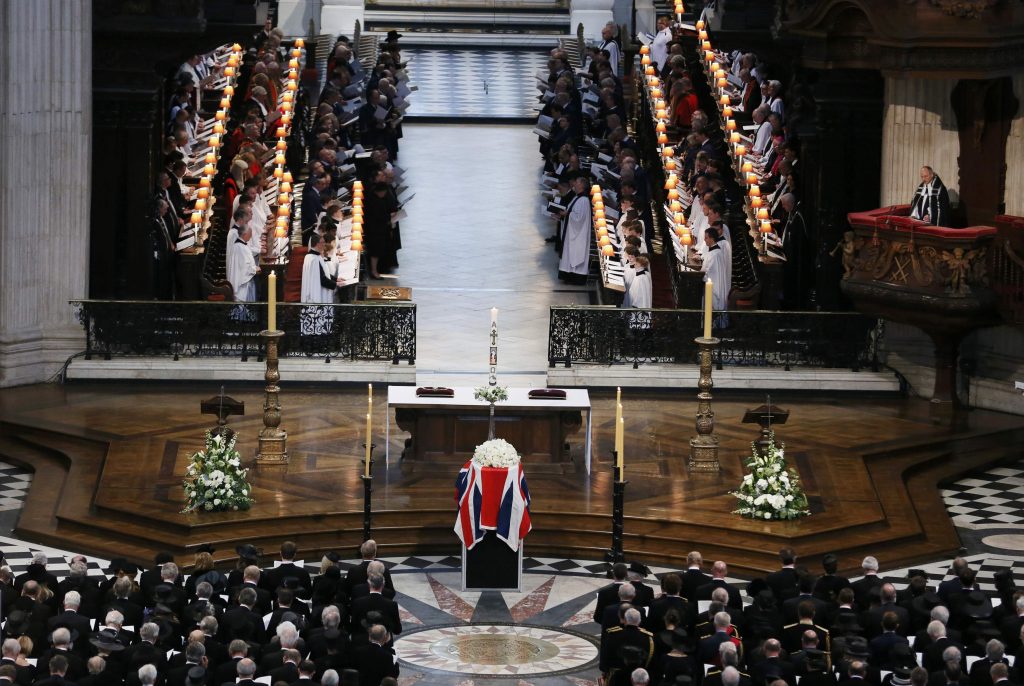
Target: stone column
x,y
340,16
45,152
593,14
293,16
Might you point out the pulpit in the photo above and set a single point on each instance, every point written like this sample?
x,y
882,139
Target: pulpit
x,y
493,519
931,277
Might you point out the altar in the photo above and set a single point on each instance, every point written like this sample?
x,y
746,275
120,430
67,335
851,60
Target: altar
x,y
451,427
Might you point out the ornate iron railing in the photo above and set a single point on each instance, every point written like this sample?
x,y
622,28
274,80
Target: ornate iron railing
x,y
752,338
118,328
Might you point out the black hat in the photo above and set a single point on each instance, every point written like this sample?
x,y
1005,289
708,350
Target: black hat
x,y
901,675
163,557
247,551
332,556
163,591
17,623
846,623
205,548
639,568
676,638
829,560
1004,580
857,646
106,639
925,603
756,586
196,676
116,565
976,605
393,36
916,572
902,655
765,599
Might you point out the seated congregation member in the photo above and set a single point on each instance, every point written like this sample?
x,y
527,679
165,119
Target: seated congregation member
x,y
375,602
617,639
276,577
375,661
241,266
379,228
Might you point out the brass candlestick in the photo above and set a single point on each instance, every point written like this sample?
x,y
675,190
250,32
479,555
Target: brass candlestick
x,y
273,441
704,446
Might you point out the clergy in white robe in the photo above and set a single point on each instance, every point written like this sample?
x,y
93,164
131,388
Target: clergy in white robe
x,y
659,46
577,228
763,136
241,266
318,280
610,43
715,271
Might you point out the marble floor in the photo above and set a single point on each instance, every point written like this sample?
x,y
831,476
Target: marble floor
x,y
472,83
473,240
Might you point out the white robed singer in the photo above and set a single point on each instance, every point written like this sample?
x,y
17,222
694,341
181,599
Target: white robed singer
x,y
640,291
241,266
576,234
317,279
716,271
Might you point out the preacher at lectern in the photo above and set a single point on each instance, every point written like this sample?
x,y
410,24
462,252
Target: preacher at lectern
x,y
931,200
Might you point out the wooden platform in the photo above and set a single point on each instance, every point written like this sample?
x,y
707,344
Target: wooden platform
x,y
109,461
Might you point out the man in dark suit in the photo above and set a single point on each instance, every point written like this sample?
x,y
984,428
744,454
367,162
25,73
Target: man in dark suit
x,y
78,624
242,620
981,670
288,672
146,651
708,649
1011,625
358,574
862,587
1000,675
375,661
719,571
772,666
829,584
822,610
195,656
10,651
359,590
792,634
37,613
375,602
75,667
276,577
693,578
36,571
668,601
784,582
79,581
286,604
636,574
151,577
883,644
932,659
609,595
307,674
856,675
58,667
228,671
251,576
246,670
872,619
131,611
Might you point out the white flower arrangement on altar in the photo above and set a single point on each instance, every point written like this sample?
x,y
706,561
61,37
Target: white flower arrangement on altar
x,y
491,394
496,452
770,491
216,480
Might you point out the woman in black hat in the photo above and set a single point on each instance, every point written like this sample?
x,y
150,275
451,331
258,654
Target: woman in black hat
x,y
678,661
378,229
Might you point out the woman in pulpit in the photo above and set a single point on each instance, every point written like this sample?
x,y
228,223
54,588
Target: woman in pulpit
x,y
931,200
377,223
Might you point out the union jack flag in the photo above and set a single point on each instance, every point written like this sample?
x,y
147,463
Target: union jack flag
x,y
492,499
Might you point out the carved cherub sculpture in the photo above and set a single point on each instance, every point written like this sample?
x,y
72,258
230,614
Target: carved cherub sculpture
x,y
848,248
959,264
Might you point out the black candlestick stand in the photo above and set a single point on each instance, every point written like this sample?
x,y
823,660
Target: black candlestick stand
x,y
367,495
615,553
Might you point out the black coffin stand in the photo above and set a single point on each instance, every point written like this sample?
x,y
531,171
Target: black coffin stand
x,y
492,566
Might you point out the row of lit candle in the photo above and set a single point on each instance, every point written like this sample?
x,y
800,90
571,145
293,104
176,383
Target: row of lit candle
x,y
604,243
204,195
286,110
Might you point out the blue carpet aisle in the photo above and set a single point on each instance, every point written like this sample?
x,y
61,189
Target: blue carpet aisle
x,y
555,640
473,83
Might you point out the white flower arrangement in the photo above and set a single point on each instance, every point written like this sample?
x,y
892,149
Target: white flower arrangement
x,y
496,452
491,394
215,480
769,490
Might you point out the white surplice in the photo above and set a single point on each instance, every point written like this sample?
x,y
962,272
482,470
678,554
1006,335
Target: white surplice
x,y
313,291
241,268
714,270
576,244
640,294
659,47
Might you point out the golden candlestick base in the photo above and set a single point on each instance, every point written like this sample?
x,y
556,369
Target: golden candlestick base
x,y
704,446
273,441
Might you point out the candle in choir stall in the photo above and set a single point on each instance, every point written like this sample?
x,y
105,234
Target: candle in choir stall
x,y
369,428
707,308
494,315
272,301
620,449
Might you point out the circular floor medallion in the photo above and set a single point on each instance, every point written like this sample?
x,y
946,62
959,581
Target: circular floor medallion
x,y
496,650
1005,541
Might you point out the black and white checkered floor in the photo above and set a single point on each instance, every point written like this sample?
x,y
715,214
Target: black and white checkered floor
x,y
988,501
473,83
